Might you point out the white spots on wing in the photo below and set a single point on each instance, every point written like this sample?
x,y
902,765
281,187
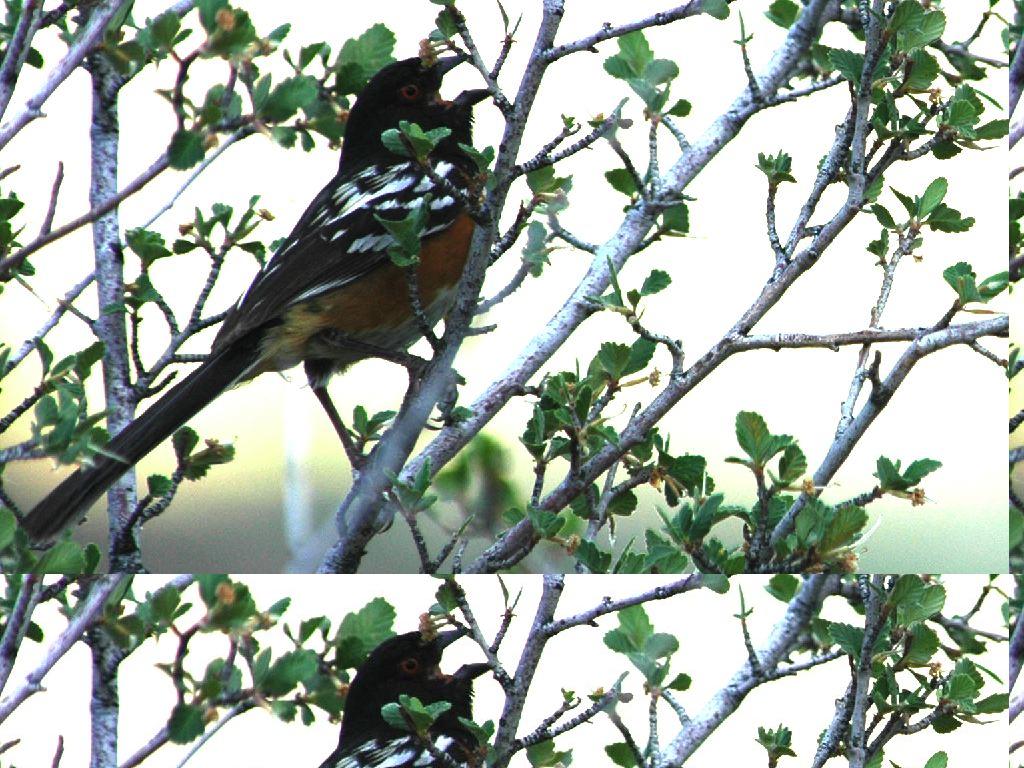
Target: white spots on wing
x,y
425,185
398,759
441,202
442,743
369,243
433,230
320,288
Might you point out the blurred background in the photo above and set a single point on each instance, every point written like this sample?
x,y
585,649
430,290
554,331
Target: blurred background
x,y
711,650
950,409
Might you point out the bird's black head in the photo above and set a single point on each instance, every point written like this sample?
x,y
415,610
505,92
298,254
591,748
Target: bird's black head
x,y
408,90
406,664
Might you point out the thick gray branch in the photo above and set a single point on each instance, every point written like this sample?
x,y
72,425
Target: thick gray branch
x,y
87,40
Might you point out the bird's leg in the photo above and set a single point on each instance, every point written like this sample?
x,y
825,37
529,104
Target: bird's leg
x,y
318,372
356,458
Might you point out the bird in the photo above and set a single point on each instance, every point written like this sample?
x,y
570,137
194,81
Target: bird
x,y
330,295
407,664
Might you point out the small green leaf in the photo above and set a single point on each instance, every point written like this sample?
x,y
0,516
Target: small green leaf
x,y
186,723
186,149
932,196
718,9
655,282
783,13
621,754
849,64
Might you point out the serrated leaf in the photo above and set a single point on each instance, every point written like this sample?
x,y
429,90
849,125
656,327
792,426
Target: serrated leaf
x,y
186,149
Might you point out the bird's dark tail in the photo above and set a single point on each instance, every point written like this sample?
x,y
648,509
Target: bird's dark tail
x,y
68,502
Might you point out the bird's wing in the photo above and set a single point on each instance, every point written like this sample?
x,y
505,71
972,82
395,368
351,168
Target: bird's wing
x,y
400,752
338,239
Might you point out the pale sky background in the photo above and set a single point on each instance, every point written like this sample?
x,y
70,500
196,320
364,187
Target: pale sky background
x,y
711,650
232,521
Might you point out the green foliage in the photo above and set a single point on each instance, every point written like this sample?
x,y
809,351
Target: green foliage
x,y
404,251
776,167
413,497
777,743
409,140
195,464
963,280
544,755
650,78
411,714
648,651
892,478
62,425
783,12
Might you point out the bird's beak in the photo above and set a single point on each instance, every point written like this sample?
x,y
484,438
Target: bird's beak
x,y
448,63
469,98
444,639
470,671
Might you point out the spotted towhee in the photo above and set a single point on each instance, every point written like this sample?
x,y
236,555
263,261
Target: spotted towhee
x,y
407,664
331,281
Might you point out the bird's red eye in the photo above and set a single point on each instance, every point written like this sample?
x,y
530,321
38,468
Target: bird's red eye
x,y
410,666
409,92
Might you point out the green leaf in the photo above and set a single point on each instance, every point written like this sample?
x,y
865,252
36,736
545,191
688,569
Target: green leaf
x,y
661,71
640,355
849,64
792,465
634,630
932,599
923,32
756,441
288,97
186,149
186,723
544,755
908,13
614,358
288,671
783,586
676,219
64,557
961,279
1016,527
656,282
633,57
593,557
847,637
621,754
681,108
923,68
8,525
719,9
158,485
622,181
938,760
147,245
932,196
361,57
783,13
544,181
846,523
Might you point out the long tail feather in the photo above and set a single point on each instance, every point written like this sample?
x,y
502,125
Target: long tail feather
x,y
70,500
